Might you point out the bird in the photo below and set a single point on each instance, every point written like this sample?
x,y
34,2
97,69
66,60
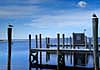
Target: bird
x,y
10,25
94,15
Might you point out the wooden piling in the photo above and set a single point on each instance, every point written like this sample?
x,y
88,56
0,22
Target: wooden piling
x,y
86,42
70,42
40,47
48,42
9,48
47,46
74,54
30,52
63,55
58,42
89,43
67,42
95,41
46,39
63,37
36,38
71,48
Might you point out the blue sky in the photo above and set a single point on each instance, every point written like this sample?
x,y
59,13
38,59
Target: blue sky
x,y
47,17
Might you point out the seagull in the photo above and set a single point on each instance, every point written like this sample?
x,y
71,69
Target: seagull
x,y
10,25
94,15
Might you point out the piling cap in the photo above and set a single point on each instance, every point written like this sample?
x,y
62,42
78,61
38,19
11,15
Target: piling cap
x,y
94,15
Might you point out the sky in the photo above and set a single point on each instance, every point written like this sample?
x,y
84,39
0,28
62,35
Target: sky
x,y
47,17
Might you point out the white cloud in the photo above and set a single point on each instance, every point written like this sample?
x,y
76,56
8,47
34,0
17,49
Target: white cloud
x,y
65,22
62,20
82,4
17,11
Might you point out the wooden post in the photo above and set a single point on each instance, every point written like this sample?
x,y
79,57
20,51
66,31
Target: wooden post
x,y
71,48
36,47
70,42
29,51
89,43
74,54
63,37
47,46
40,47
84,56
48,42
67,42
36,41
63,55
95,41
58,38
86,42
9,47
58,42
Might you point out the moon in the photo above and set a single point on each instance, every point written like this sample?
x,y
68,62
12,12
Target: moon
x,y
82,4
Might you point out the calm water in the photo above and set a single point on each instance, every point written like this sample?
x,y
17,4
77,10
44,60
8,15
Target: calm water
x,y
20,55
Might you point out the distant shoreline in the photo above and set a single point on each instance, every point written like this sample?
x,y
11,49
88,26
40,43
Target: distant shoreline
x,y
2,40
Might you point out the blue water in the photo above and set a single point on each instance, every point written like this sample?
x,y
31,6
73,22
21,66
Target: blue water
x,y
20,55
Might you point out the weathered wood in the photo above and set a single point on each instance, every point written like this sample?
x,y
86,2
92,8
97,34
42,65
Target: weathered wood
x,y
82,45
30,52
63,55
74,53
63,50
63,37
61,63
36,36
95,41
86,42
58,43
70,42
40,47
47,46
9,48
54,67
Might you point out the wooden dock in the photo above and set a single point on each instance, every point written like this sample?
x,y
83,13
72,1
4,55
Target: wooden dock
x,y
61,49
54,67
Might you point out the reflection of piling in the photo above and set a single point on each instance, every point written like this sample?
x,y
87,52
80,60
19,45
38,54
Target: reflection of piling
x,y
47,46
9,47
95,41
30,52
40,47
